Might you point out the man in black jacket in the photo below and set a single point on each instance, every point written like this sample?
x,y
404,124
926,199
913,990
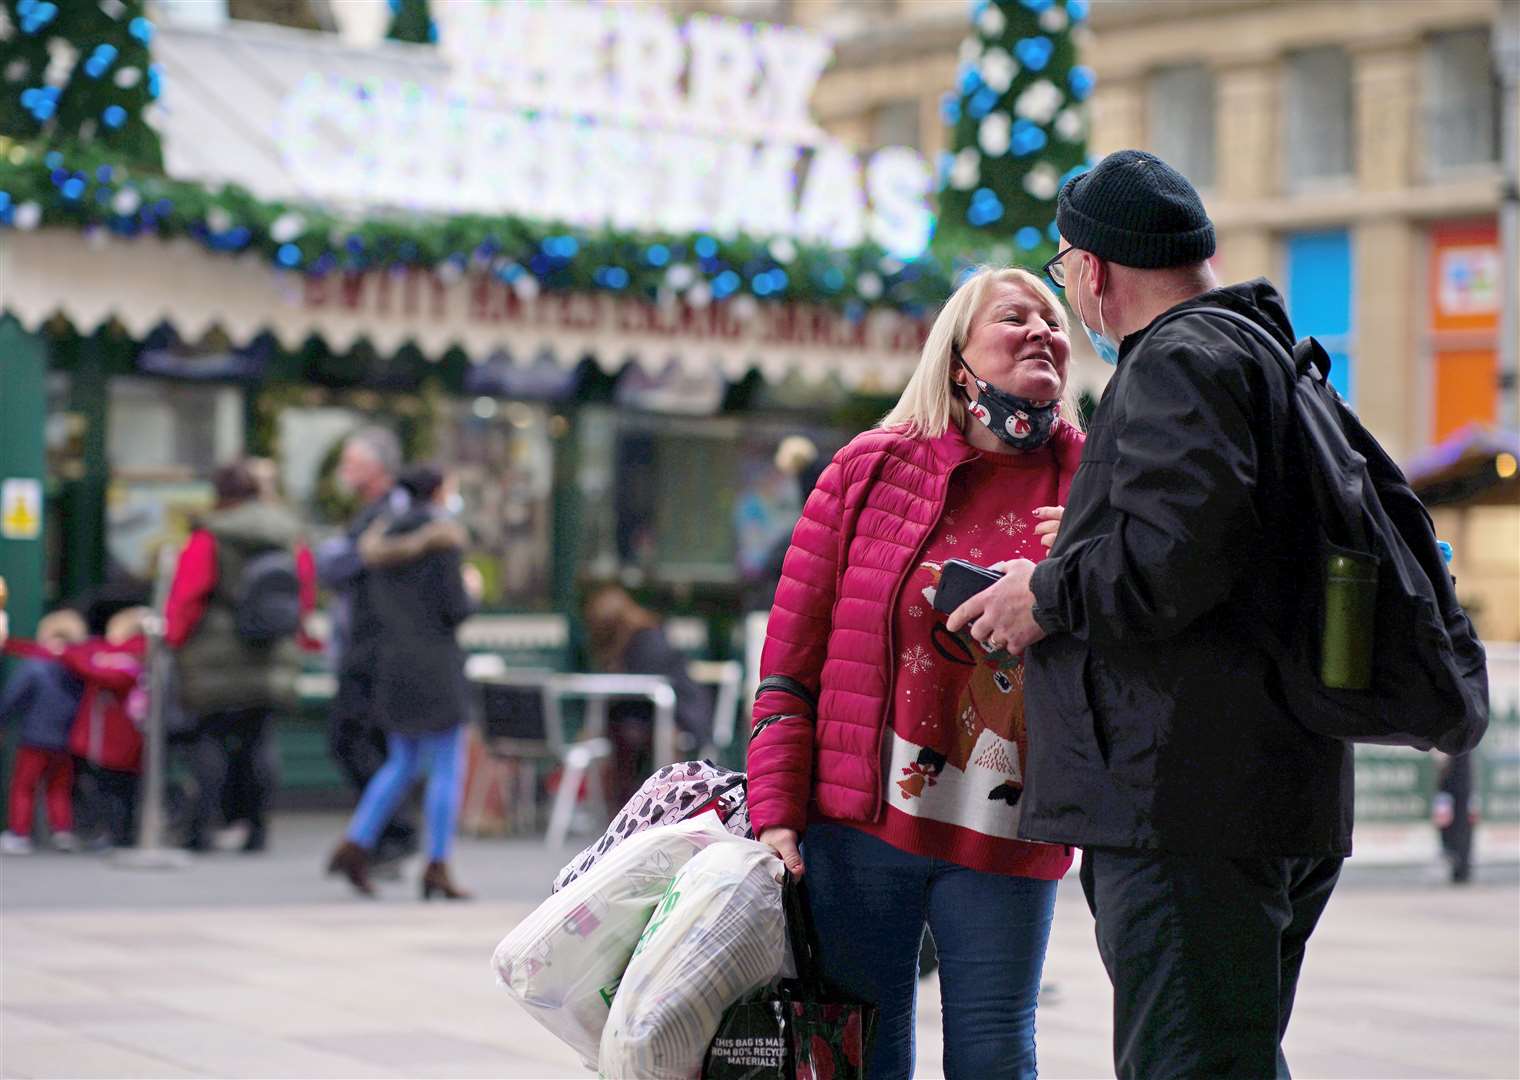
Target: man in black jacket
x,y
1213,824
368,467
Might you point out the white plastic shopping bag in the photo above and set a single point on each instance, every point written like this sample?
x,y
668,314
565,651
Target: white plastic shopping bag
x,y
563,961
717,935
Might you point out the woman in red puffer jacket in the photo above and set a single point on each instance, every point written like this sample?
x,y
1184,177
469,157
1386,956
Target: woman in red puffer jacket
x,y
896,746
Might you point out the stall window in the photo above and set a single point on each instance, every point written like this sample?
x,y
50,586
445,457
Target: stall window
x,y
503,456
1180,120
697,500
1318,116
164,439
1461,101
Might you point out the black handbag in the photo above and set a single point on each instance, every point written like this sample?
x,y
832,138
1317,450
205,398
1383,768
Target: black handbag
x,y
799,1029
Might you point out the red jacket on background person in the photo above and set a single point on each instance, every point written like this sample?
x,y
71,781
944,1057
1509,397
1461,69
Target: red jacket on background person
x,y
195,579
105,731
831,626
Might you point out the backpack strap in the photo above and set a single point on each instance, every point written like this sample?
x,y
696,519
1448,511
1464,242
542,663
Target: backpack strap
x,y
787,685
1296,366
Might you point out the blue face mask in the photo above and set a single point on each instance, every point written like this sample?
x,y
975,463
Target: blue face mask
x,y
1106,349
1020,422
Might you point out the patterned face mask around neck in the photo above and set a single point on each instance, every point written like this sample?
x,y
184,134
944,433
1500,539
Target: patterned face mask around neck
x,y
1021,423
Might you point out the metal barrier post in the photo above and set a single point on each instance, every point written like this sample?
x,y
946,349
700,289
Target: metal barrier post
x,y
150,852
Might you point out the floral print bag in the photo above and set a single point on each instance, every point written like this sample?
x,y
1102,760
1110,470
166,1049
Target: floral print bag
x,y
799,1029
674,793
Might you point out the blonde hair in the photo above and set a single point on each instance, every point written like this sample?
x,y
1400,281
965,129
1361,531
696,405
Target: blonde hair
x,y
929,405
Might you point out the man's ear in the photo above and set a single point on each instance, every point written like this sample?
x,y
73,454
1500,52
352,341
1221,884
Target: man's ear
x,y
1097,273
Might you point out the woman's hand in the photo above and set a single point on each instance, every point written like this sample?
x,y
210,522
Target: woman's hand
x,y
1050,523
784,843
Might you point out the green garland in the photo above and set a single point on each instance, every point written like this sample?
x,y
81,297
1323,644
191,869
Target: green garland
x,y
84,188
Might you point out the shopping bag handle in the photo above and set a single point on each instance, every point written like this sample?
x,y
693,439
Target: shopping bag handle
x,y
802,933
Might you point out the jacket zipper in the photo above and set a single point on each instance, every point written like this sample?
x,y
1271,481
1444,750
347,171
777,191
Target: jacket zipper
x,y
885,718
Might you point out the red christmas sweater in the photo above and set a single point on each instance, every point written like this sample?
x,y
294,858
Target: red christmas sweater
x,y
956,746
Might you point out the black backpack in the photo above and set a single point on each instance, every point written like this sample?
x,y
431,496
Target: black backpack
x,y
267,606
1429,674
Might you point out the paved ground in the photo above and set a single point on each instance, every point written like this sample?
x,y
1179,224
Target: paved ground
x,y
258,967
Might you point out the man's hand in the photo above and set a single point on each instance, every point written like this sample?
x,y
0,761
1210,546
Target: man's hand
x,y
1001,616
784,843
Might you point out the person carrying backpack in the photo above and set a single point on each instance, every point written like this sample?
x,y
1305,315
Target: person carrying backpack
x,y
1179,732
241,588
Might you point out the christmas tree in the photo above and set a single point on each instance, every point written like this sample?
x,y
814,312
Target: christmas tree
x,y
411,21
76,72
1020,130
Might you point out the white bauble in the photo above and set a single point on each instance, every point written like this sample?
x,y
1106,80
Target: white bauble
x,y
287,227
679,276
992,22
966,171
970,52
16,70
218,220
1042,181
127,77
783,250
1054,19
1070,125
998,69
699,295
526,287
27,217
62,58
1039,102
868,285
744,307
995,134
126,201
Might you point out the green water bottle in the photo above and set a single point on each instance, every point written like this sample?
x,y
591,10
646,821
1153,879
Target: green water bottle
x,y
1350,608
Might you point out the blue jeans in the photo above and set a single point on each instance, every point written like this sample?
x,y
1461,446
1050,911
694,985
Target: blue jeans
x,y
440,754
871,903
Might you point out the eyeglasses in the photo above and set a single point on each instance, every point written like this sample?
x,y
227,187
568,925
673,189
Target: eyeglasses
x,y
1055,269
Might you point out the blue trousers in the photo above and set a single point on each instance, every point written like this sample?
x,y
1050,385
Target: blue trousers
x,y
871,903
441,756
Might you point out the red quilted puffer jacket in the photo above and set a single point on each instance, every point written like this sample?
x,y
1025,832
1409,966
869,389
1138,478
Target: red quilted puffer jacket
x,y
830,629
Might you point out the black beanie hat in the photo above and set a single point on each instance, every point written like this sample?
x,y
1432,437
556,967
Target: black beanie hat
x,y
1134,209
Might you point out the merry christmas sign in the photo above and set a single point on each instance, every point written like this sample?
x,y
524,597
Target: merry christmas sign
x,y
609,115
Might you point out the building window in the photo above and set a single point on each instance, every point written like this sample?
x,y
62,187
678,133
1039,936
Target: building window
x,y
896,124
1461,102
1180,120
1317,107
1319,299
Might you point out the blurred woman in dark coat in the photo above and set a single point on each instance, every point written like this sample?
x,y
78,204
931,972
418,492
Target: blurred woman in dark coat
x,y
417,586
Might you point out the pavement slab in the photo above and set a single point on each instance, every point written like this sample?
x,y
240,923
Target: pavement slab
x,y
260,967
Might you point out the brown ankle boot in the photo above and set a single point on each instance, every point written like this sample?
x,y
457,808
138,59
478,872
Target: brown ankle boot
x,y
352,861
435,879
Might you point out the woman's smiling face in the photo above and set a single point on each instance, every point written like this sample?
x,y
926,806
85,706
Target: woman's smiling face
x,y
1018,343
